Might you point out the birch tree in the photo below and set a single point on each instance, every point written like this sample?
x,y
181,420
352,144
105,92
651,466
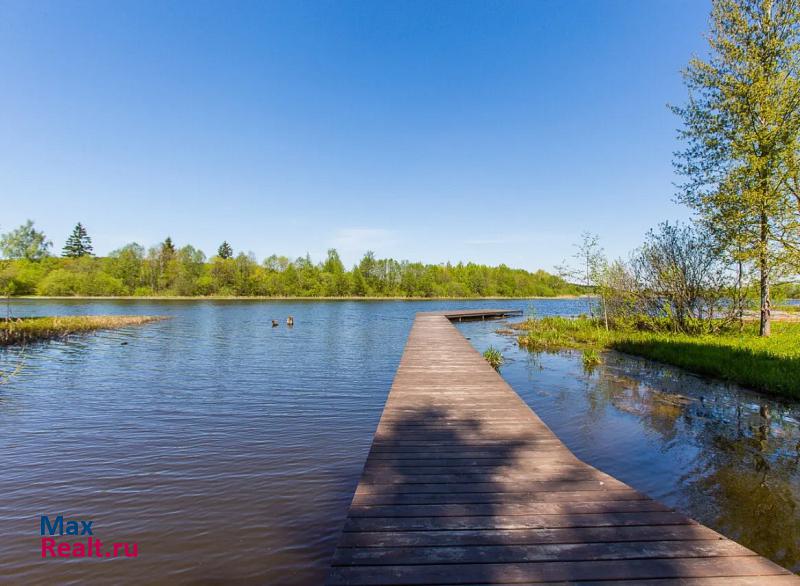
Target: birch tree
x,y
740,126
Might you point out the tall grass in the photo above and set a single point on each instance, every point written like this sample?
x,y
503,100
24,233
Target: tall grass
x,y
494,357
557,333
32,329
766,364
590,358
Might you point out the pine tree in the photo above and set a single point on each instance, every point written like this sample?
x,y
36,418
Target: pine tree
x,y
167,247
167,252
225,251
78,244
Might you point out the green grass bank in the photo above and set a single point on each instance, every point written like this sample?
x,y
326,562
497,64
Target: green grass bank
x,y
770,365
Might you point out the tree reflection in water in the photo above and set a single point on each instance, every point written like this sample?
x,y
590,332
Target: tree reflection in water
x,y
734,454
750,476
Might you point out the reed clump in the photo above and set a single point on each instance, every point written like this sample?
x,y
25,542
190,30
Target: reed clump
x,y
494,357
17,331
590,358
562,333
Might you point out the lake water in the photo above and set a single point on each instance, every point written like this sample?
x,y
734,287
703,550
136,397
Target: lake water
x,y
228,450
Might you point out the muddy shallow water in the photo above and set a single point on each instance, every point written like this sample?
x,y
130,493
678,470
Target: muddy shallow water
x,y
228,450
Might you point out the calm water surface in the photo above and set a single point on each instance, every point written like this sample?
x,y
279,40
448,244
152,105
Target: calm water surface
x,y
229,450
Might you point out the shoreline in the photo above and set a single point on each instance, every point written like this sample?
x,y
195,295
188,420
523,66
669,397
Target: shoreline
x,y
272,298
765,365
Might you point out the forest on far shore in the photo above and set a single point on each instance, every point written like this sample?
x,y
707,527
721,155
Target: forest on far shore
x,y
29,268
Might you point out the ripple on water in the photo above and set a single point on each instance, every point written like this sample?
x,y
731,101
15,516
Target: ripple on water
x,y
229,450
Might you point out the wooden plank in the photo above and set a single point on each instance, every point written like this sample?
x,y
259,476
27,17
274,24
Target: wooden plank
x,y
478,554
498,573
408,452
783,580
512,522
474,464
482,487
574,473
506,509
453,437
464,484
453,498
687,532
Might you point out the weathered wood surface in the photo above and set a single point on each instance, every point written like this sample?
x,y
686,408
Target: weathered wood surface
x,y
473,314
464,484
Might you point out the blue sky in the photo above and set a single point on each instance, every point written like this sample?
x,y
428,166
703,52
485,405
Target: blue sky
x,y
485,131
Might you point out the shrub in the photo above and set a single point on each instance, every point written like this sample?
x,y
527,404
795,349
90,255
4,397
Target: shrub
x,y
60,282
102,284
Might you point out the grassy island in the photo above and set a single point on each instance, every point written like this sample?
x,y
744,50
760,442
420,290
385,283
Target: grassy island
x,y
737,355
34,329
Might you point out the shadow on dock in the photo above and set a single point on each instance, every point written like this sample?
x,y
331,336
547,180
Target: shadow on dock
x,y
465,485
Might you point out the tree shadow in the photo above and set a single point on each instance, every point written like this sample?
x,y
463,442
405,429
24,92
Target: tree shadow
x,y
453,495
464,484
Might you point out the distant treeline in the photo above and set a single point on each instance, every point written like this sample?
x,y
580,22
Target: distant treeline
x,y
166,270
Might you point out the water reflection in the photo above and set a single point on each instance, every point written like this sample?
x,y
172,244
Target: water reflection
x,y
749,478
230,450
744,481
226,448
724,455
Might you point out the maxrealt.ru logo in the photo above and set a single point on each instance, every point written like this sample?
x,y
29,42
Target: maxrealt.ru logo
x,y
88,547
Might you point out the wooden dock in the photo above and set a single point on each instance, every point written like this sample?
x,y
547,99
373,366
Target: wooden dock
x,y
464,484
474,314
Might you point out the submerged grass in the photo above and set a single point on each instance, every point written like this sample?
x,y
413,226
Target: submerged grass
x,y
765,364
494,357
590,357
550,334
34,329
